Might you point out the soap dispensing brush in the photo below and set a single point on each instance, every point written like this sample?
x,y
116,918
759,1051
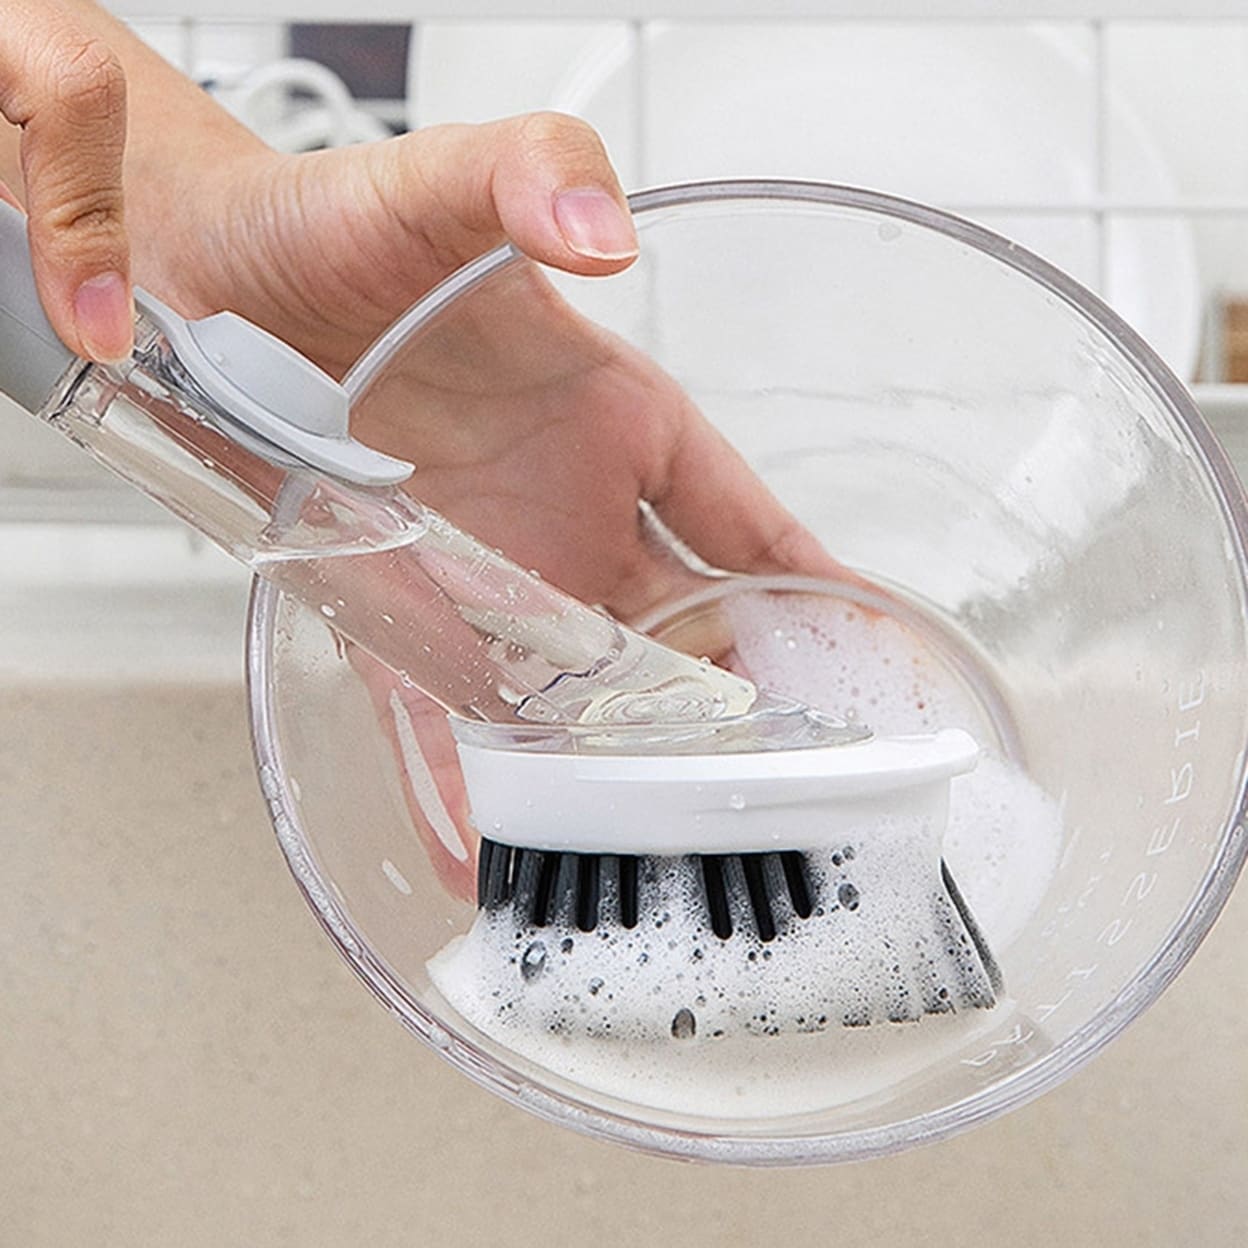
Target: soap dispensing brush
x,y
652,781
248,442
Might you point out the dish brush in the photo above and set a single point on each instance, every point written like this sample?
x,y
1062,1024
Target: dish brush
x,y
704,892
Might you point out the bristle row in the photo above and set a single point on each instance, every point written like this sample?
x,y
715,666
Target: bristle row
x,y
539,884
592,889
764,888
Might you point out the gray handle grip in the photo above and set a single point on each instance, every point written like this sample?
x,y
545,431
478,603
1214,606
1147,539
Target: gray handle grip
x,y
264,387
32,358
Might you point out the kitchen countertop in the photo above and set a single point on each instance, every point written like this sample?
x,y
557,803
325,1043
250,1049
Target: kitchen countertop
x,y
186,1061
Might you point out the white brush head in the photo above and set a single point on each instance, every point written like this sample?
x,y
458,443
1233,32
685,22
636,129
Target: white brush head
x,y
721,803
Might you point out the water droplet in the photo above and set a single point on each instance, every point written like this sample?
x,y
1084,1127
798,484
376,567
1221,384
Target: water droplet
x,y
595,986
533,962
684,1025
327,610
566,945
736,801
847,895
389,619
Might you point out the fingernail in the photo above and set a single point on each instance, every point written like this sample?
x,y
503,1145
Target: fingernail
x,y
104,317
595,225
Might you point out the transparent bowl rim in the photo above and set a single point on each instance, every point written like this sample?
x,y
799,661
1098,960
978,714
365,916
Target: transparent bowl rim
x,y
997,1098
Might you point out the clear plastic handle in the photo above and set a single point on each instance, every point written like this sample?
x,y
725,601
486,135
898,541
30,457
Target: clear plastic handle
x,y
259,389
247,441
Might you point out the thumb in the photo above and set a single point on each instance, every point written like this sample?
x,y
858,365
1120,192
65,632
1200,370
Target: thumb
x,y
67,92
544,181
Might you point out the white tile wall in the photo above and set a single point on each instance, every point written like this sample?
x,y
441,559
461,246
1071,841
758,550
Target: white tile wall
x,y
971,115
171,37
1188,86
228,48
997,119
476,71
1188,89
994,118
207,49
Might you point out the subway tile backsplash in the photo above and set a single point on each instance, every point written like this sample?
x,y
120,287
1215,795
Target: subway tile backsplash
x,y
998,120
1072,137
1187,88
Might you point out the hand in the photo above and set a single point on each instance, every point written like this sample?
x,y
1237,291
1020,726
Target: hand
x,y
66,90
538,431
545,441
531,427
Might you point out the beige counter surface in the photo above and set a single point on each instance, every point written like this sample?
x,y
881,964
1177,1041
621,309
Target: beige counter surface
x,y
185,1061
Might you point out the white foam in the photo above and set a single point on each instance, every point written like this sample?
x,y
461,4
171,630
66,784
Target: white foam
x,y
884,943
751,1078
1005,833
668,1015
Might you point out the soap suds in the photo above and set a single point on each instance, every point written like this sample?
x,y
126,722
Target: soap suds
x,y
669,1015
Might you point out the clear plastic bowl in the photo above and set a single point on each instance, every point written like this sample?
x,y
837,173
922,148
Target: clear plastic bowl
x,y
1042,524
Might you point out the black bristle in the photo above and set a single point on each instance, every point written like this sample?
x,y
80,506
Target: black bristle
x,y
549,886
795,876
498,881
525,869
755,868
716,895
588,890
544,892
991,969
485,853
494,873
629,904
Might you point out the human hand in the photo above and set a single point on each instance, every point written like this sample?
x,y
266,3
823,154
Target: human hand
x,y
530,426
538,432
66,89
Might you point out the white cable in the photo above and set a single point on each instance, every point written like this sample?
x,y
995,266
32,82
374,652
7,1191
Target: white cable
x,y
331,118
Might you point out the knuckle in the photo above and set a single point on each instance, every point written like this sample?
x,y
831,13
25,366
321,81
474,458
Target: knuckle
x,y
560,133
781,546
89,81
86,218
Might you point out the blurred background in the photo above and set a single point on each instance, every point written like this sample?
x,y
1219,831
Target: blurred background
x,y
183,1058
